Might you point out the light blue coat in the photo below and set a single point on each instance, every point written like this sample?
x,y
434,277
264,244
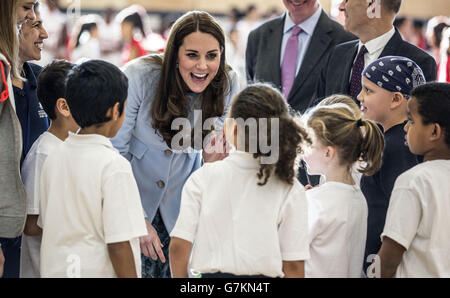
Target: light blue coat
x,y
159,172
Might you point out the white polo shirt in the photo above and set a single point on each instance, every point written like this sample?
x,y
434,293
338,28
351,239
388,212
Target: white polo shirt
x,y
31,174
418,219
337,229
239,227
89,199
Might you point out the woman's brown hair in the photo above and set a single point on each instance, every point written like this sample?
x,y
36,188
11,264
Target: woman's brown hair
x,y
355,139
171,101
9,41
261,101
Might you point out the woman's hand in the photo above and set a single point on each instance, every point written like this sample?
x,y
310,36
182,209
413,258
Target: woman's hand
x,y
218,149
151,245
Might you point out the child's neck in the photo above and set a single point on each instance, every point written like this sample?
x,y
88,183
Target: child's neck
x,y
388,124
59,129
438,154
341,175
104,130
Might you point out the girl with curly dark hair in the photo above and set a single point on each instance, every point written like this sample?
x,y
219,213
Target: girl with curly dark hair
x,y
247,214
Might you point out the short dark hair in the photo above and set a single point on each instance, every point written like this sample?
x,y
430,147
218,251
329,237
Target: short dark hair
x,y
392,5
92,89
434,105
52,85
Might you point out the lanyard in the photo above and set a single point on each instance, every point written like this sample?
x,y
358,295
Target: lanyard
x,y
5,93
26,140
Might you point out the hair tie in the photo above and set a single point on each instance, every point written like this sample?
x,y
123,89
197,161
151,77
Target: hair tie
x,y
360,122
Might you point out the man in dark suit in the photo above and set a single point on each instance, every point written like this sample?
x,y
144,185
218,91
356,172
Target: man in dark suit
x,y
372,22
268,50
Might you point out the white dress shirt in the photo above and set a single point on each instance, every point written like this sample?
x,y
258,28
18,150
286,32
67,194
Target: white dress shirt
x,y
374,48
304,38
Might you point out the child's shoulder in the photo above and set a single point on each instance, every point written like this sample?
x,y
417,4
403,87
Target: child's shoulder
x,y
115,162
325,188
296,190
45,144
429,171
212,170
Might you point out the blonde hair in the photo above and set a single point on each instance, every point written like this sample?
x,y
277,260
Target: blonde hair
x,y
9,40
344,99
355,139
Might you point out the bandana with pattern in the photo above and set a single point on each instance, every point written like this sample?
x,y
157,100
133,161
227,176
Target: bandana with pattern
x,y
395,74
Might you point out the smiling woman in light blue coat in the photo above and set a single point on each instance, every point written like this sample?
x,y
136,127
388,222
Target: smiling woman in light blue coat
x,y
191,76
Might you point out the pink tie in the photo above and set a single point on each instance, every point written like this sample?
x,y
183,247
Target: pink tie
x,y
289,65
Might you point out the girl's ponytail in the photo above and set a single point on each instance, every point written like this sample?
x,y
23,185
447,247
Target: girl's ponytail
x,y
355,139
372,148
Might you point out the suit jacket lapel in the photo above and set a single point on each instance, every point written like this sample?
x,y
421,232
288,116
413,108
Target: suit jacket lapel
x,y
348,59
274,50
274,40
319,43
393,45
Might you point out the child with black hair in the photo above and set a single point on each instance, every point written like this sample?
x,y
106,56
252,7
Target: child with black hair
x,y
247,214
91,212
416,242
51,92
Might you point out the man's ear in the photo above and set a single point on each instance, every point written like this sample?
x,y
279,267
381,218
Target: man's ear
x,y
62,107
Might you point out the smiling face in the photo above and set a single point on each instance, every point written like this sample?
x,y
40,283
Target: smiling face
x,y
32,39
375,101
199,60
25,11
300,10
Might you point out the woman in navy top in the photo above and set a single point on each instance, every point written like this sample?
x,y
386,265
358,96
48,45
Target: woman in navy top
x,y
33,119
